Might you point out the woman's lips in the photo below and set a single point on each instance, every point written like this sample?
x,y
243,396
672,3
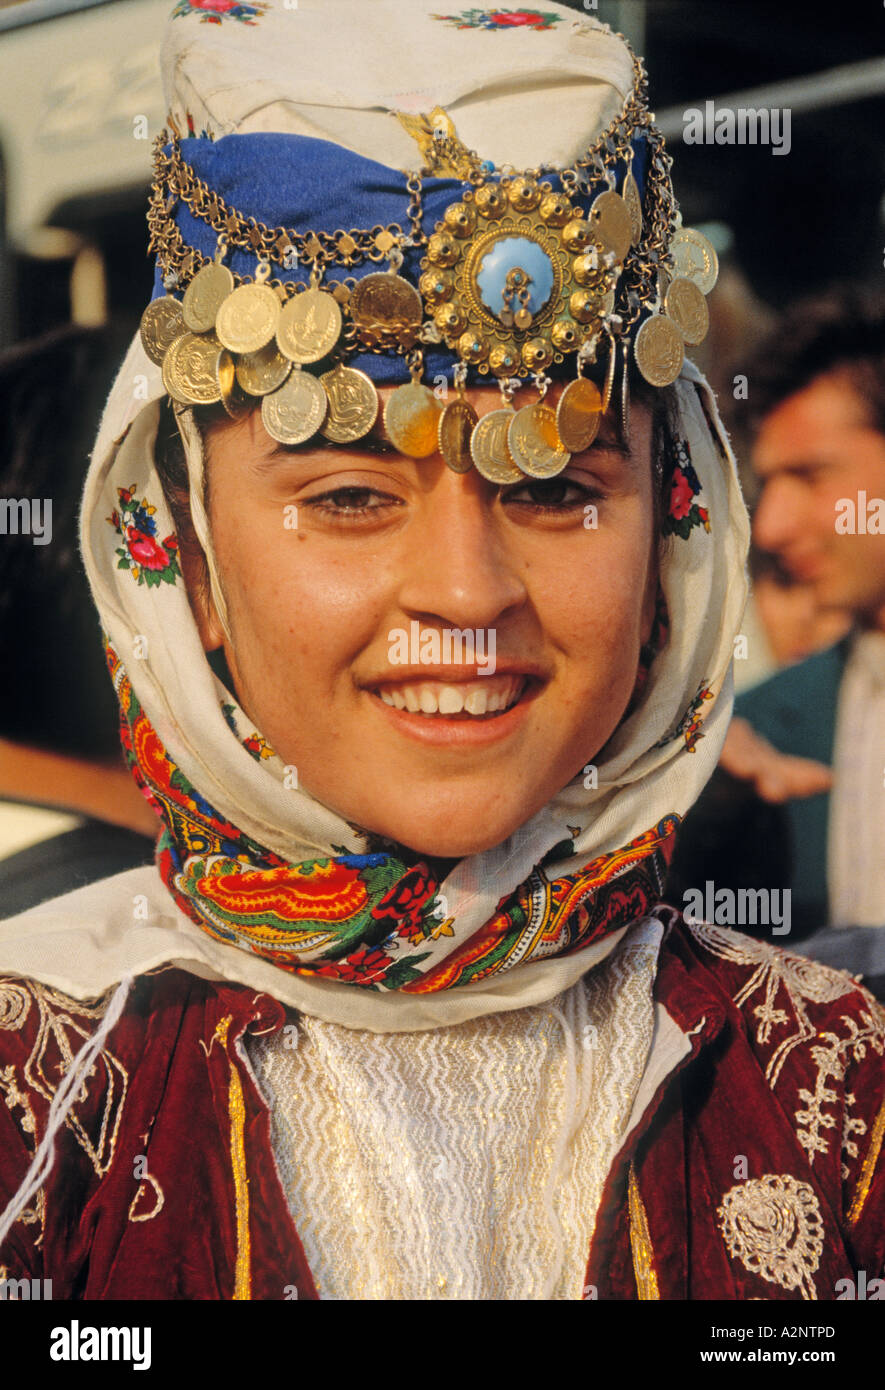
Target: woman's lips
x,y
516,692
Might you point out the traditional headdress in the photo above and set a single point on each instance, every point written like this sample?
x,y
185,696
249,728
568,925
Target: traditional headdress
x,y
314,113
295,265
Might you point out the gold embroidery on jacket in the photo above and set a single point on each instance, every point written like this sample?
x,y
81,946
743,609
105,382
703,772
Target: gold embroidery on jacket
x,y
801,980
831,1055
237,1110
865,1181
14,1096
640,1242
146,1177
56,1023
773,1225
158,1203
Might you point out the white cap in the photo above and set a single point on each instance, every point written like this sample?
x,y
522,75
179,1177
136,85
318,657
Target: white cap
x,y
523,87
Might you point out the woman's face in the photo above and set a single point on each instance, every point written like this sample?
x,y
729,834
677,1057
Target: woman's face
x,y
394,561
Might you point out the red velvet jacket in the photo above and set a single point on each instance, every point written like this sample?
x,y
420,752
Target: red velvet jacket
x,y
755,1173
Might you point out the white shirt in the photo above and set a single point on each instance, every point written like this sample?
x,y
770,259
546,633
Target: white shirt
x,y
464,1162
856,836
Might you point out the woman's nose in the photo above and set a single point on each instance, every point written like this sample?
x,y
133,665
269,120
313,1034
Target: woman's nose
x,y
460,566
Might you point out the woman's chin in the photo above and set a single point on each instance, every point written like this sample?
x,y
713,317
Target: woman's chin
x,y
439,842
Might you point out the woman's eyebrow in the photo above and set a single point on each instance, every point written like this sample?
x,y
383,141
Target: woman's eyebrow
x,y
608,446
282,452
369,444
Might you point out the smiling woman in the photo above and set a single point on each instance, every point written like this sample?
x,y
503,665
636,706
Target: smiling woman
x,y
419,587
567,655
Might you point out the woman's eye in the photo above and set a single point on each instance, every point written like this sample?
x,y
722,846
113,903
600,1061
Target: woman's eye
x,y
350,501
551,494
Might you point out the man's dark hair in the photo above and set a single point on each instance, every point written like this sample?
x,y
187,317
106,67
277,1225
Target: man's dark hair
x,y
839,331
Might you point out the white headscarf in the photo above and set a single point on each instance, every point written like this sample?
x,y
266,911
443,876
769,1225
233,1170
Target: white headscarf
x,y
659,758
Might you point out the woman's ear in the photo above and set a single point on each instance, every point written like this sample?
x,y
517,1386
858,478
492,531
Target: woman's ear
x,y
196,580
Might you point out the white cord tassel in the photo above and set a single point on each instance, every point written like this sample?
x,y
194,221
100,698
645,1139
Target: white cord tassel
x,y
62,1103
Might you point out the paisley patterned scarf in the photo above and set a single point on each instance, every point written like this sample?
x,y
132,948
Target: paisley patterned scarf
x,y
370,919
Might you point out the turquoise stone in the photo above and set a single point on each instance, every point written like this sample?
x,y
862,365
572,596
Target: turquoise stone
x,y
505,255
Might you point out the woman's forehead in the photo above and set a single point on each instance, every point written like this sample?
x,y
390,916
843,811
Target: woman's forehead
x,y
483,399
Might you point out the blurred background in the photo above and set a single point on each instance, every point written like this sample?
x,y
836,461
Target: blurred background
x,y
80,106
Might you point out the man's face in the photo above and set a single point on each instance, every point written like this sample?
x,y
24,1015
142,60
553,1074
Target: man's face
x,y
384,542
816,448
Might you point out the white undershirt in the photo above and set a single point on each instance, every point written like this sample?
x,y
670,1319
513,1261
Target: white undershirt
x,y
856,836
464,1162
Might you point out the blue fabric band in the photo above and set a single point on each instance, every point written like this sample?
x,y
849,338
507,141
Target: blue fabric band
x,y
304,184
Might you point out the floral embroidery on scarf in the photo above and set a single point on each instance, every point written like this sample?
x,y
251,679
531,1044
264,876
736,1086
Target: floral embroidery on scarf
x,y
258,746
689,726
254,743
148,560
502,19
683,513
214,11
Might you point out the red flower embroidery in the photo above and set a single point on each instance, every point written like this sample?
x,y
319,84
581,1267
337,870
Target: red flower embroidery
x,y
145,550
357,966
681,495
401,910
530,17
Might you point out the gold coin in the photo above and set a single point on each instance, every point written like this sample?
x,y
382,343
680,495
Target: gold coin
x,y
353,404
161,324
659,350
232,398
456,426
205,295
630,194
490,451
263,371
387,301
411,419
190,369
613,222
534,443
687,307
578,415
296,410
695,258
248,318
309,326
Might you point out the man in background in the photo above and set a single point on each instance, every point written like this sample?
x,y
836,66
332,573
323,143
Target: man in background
x,y
817,405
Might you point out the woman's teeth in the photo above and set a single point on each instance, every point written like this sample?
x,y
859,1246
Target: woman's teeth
x,y
488,696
